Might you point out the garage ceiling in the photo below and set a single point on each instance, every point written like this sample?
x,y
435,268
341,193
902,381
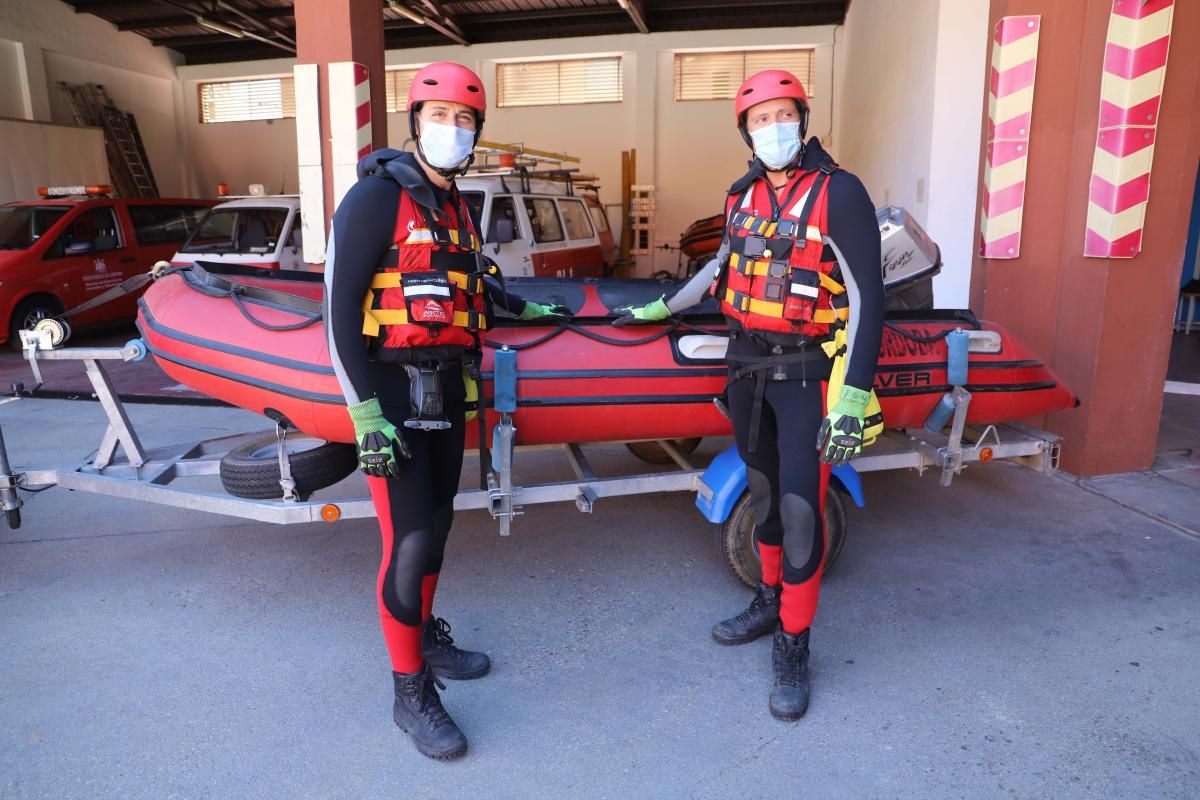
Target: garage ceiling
x,y
215,31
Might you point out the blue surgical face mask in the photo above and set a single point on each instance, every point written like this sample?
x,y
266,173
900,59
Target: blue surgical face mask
x,y
777,144
445,146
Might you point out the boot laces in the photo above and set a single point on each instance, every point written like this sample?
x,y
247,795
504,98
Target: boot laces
x,y
439,632
756,607
791,670
429,703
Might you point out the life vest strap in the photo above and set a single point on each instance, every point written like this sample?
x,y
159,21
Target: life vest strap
x,y
373,318
744,303
471,283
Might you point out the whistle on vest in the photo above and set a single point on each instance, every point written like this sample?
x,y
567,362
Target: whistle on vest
x,y
425,396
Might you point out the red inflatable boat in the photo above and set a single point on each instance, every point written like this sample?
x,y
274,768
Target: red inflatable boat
x,y
703,237
254,338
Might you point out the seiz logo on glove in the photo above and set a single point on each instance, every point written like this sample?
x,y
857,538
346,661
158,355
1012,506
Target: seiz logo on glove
x,y
379,441
841,435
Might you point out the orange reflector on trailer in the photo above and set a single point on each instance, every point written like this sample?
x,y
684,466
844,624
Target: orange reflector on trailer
x,y
330,512
985,455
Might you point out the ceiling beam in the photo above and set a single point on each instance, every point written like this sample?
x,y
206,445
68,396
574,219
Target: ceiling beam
x,y
269,27
136,25
449,21
539,15
637,12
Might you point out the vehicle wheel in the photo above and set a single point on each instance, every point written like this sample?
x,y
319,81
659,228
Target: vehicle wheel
x,y
27,314
736,537
652,453
252,469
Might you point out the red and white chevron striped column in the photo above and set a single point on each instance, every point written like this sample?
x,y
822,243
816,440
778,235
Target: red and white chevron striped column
x,y
349,122
1010,108
1135,66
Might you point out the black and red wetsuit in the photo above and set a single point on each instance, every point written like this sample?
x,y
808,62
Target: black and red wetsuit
x,y
416,509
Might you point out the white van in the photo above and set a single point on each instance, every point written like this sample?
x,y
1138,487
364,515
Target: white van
x,y
535,227
253,231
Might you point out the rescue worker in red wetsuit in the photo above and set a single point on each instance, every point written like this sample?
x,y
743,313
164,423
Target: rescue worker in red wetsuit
x,y
409,295
798,268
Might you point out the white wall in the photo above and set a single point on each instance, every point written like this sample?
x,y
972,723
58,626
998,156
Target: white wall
x,y
12,84
910,103
58,44
690,151
40,154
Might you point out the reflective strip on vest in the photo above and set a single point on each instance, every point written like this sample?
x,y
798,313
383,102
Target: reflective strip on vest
x,y
472,284
425,236
745,303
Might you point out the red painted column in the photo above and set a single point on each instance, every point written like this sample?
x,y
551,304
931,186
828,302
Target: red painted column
x,y
331,31
1103,324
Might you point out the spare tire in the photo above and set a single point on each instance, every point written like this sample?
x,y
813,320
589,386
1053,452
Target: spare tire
x,y
251,470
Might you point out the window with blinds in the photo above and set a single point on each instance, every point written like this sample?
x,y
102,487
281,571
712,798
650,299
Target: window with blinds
x,y
239,101
396,83
717,76
559,83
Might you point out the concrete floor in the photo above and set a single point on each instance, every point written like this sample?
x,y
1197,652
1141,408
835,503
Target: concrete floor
x,y
1013,636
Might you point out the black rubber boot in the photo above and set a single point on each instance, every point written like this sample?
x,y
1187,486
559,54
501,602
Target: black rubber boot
x,y
758,620
418,711
448,661
789,657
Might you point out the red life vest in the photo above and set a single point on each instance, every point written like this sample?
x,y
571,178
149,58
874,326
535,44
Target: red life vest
x,y
427,298
779,277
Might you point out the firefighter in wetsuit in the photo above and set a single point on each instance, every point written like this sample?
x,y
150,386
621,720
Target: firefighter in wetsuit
x,y
409,296
798,267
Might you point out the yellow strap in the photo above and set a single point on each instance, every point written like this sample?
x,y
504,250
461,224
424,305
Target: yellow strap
x,y
425,236
392,280
374,317
760,269
766,308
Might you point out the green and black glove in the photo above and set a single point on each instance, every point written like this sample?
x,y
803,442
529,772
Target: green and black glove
x,y
651,312
534,310
379,441
841,435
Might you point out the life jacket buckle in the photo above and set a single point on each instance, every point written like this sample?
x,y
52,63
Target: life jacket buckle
x,y
754,246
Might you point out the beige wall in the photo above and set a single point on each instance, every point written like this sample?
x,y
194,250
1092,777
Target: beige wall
x,y
910,83
690,151
57,44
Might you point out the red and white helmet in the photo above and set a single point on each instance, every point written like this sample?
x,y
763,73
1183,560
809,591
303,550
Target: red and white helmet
x,y
445,80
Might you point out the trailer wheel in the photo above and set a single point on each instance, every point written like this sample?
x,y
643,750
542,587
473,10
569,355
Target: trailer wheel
x,y
652,452
252,469
736,537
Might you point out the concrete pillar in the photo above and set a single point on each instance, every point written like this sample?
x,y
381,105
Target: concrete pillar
x,y
334,31
1103,324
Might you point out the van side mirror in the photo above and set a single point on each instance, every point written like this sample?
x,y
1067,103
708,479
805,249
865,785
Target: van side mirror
x,y
502,232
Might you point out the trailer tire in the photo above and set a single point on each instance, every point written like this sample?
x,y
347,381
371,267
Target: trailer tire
x,y
652,452
736,537
251,470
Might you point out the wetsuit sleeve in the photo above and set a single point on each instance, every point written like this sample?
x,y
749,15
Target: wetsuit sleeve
x,y
509,301
696,289
362,232
854,239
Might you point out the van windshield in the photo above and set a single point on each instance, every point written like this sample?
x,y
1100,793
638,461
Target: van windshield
x,y
21,226
238,230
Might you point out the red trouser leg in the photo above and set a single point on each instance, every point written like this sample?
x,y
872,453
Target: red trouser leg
x,y
798,601
428,588
403,641
771,556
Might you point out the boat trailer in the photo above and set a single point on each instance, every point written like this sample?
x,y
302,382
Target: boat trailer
x,y
123,467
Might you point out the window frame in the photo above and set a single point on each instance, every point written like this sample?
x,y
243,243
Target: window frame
x,y
533,227
58,249
560,202
500,66
806,80
284,81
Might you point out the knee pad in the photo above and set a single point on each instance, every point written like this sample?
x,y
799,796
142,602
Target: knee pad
x,y
802,540
401,590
